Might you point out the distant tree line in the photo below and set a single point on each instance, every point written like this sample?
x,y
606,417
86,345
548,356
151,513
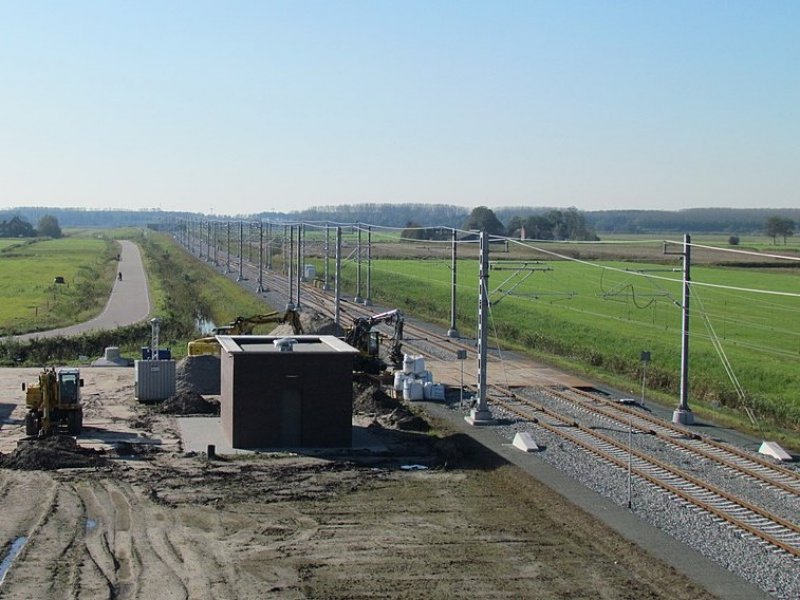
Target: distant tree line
x,y
554,225
538,222
567,224
17,227
387,215
749,221
81,217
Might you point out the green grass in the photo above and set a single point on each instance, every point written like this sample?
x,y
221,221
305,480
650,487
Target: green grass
x,y
29,298
183,291
8,242
197,292
603,319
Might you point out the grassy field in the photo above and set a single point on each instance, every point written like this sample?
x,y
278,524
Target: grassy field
x,y
603,315
29,298
184,292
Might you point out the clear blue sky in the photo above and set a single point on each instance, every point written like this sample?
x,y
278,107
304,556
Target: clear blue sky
x,y
238,107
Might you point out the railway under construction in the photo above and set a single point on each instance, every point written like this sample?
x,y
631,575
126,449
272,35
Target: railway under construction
x,y
736,488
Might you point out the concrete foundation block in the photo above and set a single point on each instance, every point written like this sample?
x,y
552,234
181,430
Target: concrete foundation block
x,y
523,441
773,450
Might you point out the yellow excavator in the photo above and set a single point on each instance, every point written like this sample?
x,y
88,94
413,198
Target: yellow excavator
x,y
243,326
54,402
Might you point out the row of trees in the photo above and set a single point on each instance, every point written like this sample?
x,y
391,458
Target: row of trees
x,y
18,227
558,225
748,221
553,225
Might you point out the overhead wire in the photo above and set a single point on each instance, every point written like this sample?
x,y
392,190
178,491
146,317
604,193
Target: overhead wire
x,y
540,246
617,269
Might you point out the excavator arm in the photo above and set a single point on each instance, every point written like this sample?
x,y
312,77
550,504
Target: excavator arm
x,y
244,326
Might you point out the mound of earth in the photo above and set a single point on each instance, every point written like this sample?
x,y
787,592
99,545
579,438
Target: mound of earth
x,y
388,412
313,323
318,324
371,399
189,403
198,374
51,453
402,418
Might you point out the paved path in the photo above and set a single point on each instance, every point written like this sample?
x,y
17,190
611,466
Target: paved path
x,y
128,303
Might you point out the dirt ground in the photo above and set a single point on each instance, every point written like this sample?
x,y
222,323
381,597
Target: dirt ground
x,y
147,520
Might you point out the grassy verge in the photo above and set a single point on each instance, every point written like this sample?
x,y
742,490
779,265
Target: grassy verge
x,y
196,292
30,298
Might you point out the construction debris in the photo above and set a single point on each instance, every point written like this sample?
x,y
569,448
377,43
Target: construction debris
x,y
312,323
51,453
189,403
198,374
387,412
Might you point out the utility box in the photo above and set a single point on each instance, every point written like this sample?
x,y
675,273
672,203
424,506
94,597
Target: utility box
x,y
154,380
286,392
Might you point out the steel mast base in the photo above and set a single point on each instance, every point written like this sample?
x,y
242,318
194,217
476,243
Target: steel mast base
x,y
683,416
480,417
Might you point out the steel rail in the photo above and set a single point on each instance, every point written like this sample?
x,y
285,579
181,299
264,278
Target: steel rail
x,y
778,469
736,511
753,467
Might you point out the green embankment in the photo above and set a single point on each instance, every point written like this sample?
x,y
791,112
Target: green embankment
x,y
598,321
197,292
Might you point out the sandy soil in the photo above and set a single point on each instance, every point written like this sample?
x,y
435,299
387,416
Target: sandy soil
x,y
155,522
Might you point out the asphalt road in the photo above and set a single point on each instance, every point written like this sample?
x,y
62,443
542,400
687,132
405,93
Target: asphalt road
x,y
128,303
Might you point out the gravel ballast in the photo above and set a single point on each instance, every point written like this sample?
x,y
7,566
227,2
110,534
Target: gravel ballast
x,y
776,573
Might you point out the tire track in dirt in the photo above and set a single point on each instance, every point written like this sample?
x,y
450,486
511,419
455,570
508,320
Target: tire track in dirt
x,y
26,496
121,544
101,558
27,499
45,568
146,551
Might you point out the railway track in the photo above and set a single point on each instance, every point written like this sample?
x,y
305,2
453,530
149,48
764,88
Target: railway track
x,y
779,533
729,457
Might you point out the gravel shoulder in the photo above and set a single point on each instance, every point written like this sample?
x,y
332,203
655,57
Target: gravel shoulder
x,y
154,521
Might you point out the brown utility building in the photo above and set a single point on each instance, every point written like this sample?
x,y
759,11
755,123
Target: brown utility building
x,y
282,392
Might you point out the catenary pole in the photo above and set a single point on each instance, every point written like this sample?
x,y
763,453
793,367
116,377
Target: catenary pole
x,y
683,413
337,283
453,331
480,414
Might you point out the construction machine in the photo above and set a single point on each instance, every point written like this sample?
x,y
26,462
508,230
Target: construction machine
x,y
243,326
54,402
368,342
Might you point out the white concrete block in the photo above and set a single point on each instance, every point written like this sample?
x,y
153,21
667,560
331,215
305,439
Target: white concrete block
x,y
775,451
523,441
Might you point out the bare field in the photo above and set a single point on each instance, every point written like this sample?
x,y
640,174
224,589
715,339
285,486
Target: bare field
x,y
155,522
650,251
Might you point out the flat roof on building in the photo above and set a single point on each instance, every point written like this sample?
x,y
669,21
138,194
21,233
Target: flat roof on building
x,y
265,344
